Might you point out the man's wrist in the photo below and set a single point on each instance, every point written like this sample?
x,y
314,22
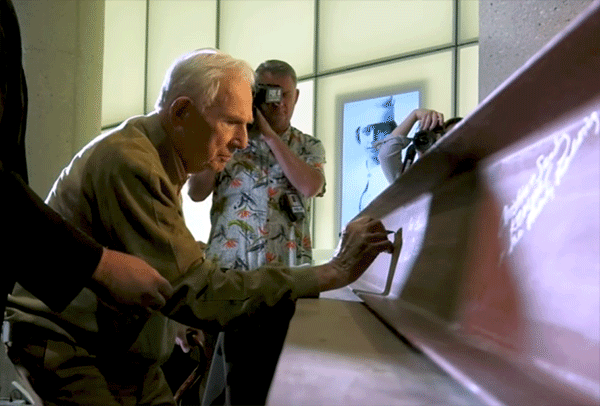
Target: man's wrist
x,y
328,276
415,117
98,283
98,274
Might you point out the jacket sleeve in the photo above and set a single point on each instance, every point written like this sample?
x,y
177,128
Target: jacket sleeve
x,y
143,216
49,257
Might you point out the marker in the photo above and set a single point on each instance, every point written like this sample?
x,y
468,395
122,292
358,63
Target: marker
x,y
386,231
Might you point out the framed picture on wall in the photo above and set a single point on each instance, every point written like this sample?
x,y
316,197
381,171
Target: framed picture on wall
x,y
367,118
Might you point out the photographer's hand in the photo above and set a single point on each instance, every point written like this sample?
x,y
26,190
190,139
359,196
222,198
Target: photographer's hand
x,y
261,123
305,178
429,120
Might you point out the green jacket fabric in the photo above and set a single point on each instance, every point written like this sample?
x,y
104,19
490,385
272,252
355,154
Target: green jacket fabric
x,y
123,189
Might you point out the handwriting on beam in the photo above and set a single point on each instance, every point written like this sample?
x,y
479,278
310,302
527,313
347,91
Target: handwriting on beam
x,y
533,196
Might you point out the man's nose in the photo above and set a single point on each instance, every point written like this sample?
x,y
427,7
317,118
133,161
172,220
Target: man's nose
x,y
240,141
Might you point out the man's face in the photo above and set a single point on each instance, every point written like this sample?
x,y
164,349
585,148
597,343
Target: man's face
x,y
208,139
279,115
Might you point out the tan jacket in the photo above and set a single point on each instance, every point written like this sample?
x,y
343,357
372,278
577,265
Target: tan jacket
x,y
123,189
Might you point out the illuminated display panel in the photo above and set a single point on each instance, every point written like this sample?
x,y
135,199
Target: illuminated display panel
x,y
303,118
174,28
258,30
354,31
431,74
468,20
124,60
468,85
366,121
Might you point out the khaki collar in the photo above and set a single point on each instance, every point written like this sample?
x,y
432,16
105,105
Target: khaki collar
x,y
169,158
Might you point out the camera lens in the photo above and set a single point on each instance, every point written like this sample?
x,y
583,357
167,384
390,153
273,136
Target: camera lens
x,y
423,138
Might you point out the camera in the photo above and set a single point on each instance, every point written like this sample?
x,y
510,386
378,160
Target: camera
x,y
264,94
423,140
267,94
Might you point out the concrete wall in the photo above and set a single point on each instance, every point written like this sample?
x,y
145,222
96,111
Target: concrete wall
x,y
511,31
62,55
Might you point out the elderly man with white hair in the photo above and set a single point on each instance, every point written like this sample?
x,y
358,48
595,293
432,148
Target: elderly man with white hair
x,y
123,188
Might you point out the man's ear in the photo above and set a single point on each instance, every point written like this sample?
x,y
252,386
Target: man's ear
x,y
297,95
180,110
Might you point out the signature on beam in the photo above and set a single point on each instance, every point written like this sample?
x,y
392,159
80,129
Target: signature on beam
x,y
533,196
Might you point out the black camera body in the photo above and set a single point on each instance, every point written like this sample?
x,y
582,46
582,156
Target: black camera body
x,y
264,94
267,94
423,140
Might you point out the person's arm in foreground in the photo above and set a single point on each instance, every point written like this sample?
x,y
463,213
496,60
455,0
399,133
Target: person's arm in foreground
x,y
54,260
129,280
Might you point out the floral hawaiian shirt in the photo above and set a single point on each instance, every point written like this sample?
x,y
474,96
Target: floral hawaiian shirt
x,y
250,227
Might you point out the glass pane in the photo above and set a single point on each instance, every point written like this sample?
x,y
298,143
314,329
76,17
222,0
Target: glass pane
x,y
431,75
124,60
368,118
356,31
468,20
258,30
468,79
174,28
304,112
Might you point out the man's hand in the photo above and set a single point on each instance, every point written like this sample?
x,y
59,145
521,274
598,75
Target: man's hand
x,y
130,281
362,240
305,178
262,125
429,118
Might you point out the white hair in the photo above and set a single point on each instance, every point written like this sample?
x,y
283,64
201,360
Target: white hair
x,y
198,75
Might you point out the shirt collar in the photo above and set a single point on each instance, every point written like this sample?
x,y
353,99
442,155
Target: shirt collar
x,y
286,134
169,158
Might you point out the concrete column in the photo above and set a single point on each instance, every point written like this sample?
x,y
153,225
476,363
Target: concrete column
x,y
512,31
63,43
